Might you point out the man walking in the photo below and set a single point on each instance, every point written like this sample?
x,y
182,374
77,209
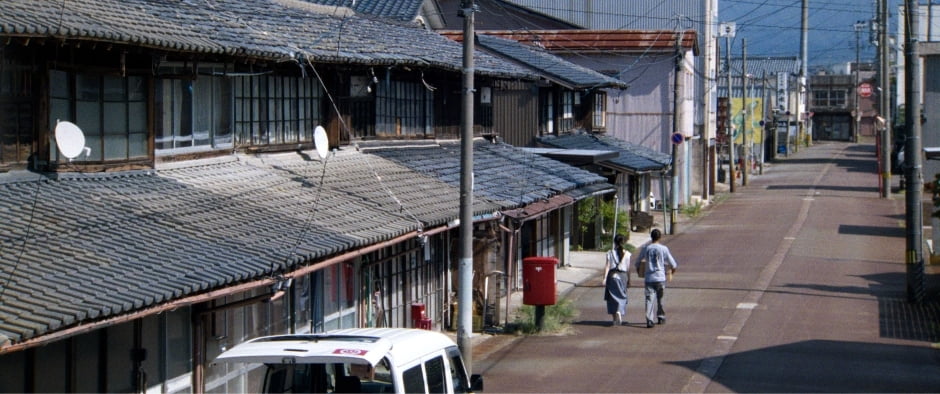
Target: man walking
x,y
653,263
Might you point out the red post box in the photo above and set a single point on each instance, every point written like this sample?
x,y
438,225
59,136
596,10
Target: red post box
x,y
417,311
538,280
418,315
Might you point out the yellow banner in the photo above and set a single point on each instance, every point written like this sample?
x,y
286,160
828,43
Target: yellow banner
x,y
753,128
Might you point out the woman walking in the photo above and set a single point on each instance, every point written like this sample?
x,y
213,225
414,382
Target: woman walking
x,y
616,281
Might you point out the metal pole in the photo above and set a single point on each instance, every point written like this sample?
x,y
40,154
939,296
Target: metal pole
x,y
732,172
745,112
886,110
765,105
912,157
465,267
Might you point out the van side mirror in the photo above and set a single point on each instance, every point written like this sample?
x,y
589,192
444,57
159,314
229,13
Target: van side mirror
x,y
476,382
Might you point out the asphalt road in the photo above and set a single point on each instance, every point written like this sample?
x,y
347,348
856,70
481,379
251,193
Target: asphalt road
x,y
794,283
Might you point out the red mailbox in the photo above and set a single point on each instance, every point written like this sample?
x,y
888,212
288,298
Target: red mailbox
x,y
538,280
417,311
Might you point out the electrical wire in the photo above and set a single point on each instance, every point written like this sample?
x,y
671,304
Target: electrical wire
x,y
29,227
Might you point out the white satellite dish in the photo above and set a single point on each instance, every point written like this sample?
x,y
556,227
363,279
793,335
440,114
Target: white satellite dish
x,y
321,141
70,139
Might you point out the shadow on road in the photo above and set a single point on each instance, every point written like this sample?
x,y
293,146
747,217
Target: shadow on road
x,y
837,366
897,318
863,189
874,231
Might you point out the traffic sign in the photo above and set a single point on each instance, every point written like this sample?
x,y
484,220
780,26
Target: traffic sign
x,y
864,89
677,138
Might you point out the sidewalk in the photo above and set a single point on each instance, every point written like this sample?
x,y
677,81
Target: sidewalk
x,y
585,269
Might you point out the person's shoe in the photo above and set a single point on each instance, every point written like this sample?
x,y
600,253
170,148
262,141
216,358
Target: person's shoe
x,y
649,324
662,320
618,320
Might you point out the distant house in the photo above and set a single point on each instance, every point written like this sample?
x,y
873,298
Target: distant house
x,y
570,98
202,213
833,100
771,94
700,17
643,114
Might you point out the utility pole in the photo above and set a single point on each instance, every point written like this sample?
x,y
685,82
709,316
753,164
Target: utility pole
x,y
676,130
802,113
746,118
884,79
727,30
859,25
465,266
912,156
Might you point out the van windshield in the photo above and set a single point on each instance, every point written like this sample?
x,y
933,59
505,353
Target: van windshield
x,y
328,378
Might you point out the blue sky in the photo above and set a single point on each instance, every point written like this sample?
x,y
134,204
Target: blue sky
x,y
772,28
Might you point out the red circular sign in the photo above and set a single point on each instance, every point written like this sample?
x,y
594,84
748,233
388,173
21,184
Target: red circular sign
x,y
864,90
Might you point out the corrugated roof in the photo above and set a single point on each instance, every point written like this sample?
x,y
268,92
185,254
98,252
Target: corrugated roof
x,y
103,245
759,65
507,175
550,66
634,158
278,30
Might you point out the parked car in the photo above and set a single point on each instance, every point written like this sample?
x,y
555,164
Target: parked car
x,y
360,360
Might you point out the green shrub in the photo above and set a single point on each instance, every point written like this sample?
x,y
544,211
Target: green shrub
x,y
692,210
557,318
590,210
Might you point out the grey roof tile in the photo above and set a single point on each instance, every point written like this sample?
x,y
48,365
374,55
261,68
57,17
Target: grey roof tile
x,y
548,65
105,244
504,174
403,10
279,30
633,157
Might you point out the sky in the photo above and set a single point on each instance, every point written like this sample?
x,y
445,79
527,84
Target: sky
x,y
772,28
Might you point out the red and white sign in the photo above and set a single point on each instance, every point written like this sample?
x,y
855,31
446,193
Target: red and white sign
x,y
351,352
864,90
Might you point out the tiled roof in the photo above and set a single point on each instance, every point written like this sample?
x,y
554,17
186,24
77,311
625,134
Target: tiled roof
x,y
635,158
509,176
278,30
500,15
550,66
403,10
82,247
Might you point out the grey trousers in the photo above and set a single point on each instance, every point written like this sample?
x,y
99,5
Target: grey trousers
x,y
654,292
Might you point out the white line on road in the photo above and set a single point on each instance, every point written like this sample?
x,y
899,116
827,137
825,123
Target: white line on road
x,y
703,375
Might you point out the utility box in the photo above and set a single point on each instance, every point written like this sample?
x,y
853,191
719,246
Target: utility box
x,y
538,280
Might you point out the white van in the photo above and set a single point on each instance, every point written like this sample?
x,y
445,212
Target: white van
x,y
358,360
